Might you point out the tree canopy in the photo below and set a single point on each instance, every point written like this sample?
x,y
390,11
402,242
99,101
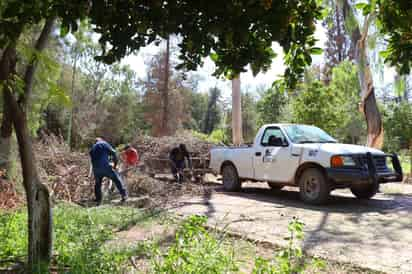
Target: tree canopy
x,y
234,33
394,18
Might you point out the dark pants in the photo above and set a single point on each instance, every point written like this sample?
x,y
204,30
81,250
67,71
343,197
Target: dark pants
x,y
177,166
99,174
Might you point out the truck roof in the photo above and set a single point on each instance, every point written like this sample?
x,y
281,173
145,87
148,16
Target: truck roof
x,y
281,124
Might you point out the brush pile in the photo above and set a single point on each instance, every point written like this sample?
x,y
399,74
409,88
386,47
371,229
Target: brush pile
x,y
64,171
154,151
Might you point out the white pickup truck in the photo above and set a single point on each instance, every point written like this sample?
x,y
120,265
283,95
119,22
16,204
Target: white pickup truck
x,y
307,157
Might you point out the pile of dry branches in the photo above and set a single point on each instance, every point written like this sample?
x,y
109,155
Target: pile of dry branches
x,y
9,197
64,171
161,146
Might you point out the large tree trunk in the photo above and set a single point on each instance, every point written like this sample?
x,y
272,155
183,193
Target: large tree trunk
x,y
368,103
236,112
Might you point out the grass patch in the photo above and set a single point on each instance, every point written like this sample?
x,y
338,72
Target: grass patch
x,y
82,236
79,237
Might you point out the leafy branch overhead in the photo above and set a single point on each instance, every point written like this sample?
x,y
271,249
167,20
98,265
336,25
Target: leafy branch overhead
x,y
394,20
234,33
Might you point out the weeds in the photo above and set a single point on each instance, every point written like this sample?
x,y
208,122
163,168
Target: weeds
x,y
291,259
195,250
81,236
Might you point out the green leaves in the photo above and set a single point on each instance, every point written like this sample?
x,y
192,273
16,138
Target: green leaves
x,y
365,7
316,51
195,250
394,21
291,258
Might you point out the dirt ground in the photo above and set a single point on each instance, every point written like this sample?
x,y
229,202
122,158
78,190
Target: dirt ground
x,y
375,234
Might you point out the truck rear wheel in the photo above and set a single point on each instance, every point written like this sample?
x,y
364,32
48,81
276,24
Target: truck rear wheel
x,y
275,186
313,186
231,181
364,191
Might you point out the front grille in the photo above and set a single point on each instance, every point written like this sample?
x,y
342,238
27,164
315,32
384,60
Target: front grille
x,y
380,163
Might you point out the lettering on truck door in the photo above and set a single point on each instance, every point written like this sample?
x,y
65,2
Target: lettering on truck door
x,y
273,160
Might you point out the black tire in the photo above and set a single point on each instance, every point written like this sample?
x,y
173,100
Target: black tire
x,y
314,187
230,178
275,186
364,191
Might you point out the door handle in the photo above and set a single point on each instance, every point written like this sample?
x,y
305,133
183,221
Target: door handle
x,y
258,153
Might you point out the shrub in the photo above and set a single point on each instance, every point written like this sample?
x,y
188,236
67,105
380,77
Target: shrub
x,y
290,259
195,251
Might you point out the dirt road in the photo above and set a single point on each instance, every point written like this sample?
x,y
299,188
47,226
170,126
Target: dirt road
x,y
376,234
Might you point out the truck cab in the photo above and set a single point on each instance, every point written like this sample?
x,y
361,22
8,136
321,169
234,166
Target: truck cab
x,y
307,157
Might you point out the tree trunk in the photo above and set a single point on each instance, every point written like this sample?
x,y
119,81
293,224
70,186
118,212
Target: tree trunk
x,y
368,103
31,68
236,112
71,114
165,113
6,129
37,195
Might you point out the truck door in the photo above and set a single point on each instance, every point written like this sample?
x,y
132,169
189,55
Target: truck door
x,y
273,160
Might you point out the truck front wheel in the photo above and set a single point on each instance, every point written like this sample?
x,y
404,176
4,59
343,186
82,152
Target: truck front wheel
x,y
314,187
364,191
231,181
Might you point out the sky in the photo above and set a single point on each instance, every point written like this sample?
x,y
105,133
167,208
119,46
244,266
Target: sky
x,y
248,81
207,81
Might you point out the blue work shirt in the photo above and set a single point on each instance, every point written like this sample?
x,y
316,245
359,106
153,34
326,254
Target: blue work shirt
x,y
100,153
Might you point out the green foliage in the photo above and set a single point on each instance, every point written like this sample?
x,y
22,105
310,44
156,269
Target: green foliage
x,y
234,33
80,235
333,108
249,117
318,105
271,104
397,120
195,251
13,232
198,109
290,259
345,85
394,17
217,136
213,114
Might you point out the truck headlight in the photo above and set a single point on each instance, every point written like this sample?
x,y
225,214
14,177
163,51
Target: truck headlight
x,y
342,161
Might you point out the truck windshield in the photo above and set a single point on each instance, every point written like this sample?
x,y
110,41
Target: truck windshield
x,y
302,134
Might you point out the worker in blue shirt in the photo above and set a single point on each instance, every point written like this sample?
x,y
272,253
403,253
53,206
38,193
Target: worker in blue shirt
x,y
100,154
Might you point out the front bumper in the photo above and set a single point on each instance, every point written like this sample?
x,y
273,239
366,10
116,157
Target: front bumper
x,y
366,171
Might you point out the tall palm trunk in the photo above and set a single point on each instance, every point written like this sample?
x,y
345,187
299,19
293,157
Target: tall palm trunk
x,y
236,112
